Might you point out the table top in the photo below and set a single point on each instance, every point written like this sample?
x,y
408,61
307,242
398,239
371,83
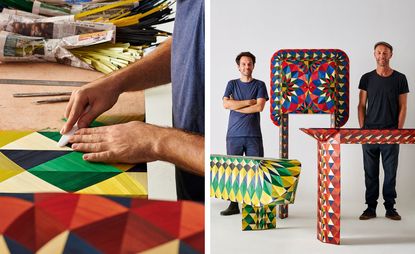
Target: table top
x,y
363,136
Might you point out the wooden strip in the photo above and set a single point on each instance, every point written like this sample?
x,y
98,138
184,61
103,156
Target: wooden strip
x,y
42,82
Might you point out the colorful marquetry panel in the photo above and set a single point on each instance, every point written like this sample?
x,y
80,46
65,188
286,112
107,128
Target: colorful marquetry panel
x,y
310,81
329,176
260,184
33,162
328,205
259,218
364,136
88,224
253,180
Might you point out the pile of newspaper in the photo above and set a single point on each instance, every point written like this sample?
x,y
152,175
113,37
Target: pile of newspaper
x,y
135,19
81,33
29,37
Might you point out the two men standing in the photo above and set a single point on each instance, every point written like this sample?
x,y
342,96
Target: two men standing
x,y
245,97
382,105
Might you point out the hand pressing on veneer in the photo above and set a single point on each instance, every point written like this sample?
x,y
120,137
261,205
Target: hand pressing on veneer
x,y
136,142
99,95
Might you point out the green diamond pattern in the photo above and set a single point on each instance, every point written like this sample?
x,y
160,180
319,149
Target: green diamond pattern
x,y
259,218
71,173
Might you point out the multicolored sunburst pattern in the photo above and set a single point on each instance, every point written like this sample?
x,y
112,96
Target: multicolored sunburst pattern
x,y
310,81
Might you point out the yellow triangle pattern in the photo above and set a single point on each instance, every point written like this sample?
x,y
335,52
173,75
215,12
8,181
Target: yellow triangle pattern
x,y
35,141
26,182
7,137
122,184
8,168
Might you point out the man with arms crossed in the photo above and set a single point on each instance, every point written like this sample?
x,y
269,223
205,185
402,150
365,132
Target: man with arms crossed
x,y
382,105
245,97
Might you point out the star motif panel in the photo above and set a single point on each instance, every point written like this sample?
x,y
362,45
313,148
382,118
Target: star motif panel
x,y
85,224
310,81
32,162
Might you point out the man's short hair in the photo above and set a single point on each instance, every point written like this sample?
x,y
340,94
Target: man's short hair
x,y
247,54
383,43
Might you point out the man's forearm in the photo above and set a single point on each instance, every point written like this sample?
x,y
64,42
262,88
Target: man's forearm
x,y
402,117
183,149
250,109
402,110
361,115
150,71
232,104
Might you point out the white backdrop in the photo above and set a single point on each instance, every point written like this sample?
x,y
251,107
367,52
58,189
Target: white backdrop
x,y
265,26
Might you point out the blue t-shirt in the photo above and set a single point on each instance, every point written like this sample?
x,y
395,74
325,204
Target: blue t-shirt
x,y
188,84
240,124
188,66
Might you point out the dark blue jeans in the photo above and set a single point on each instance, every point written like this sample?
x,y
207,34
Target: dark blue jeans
x,y
248,146
371,159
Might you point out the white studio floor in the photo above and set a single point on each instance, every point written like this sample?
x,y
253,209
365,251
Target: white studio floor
x,y
297,233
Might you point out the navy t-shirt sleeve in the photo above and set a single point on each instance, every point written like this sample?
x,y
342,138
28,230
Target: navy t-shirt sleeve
x,y
229,90
403,85
262,91
363,82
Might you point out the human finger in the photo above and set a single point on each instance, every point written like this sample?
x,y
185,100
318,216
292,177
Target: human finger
x,y
89,147
69,106
76,110
92,131
88,116
98,157
87,138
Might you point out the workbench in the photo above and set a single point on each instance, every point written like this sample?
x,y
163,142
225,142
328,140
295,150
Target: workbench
x,y
23,114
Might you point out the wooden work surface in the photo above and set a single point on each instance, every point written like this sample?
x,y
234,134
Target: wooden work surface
x,y
23,114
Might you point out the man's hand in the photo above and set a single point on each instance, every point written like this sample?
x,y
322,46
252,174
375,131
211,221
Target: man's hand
x,y
136,142
131,142
99,95
102,94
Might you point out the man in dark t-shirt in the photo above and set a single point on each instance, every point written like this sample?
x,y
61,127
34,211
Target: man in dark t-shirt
x,y
382,105
245,97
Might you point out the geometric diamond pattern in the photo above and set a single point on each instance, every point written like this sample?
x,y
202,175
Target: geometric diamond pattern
x,y
310,81
329,141
259,218
260,184
53,169
75,223
31,158
328,208
253,180
364,136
